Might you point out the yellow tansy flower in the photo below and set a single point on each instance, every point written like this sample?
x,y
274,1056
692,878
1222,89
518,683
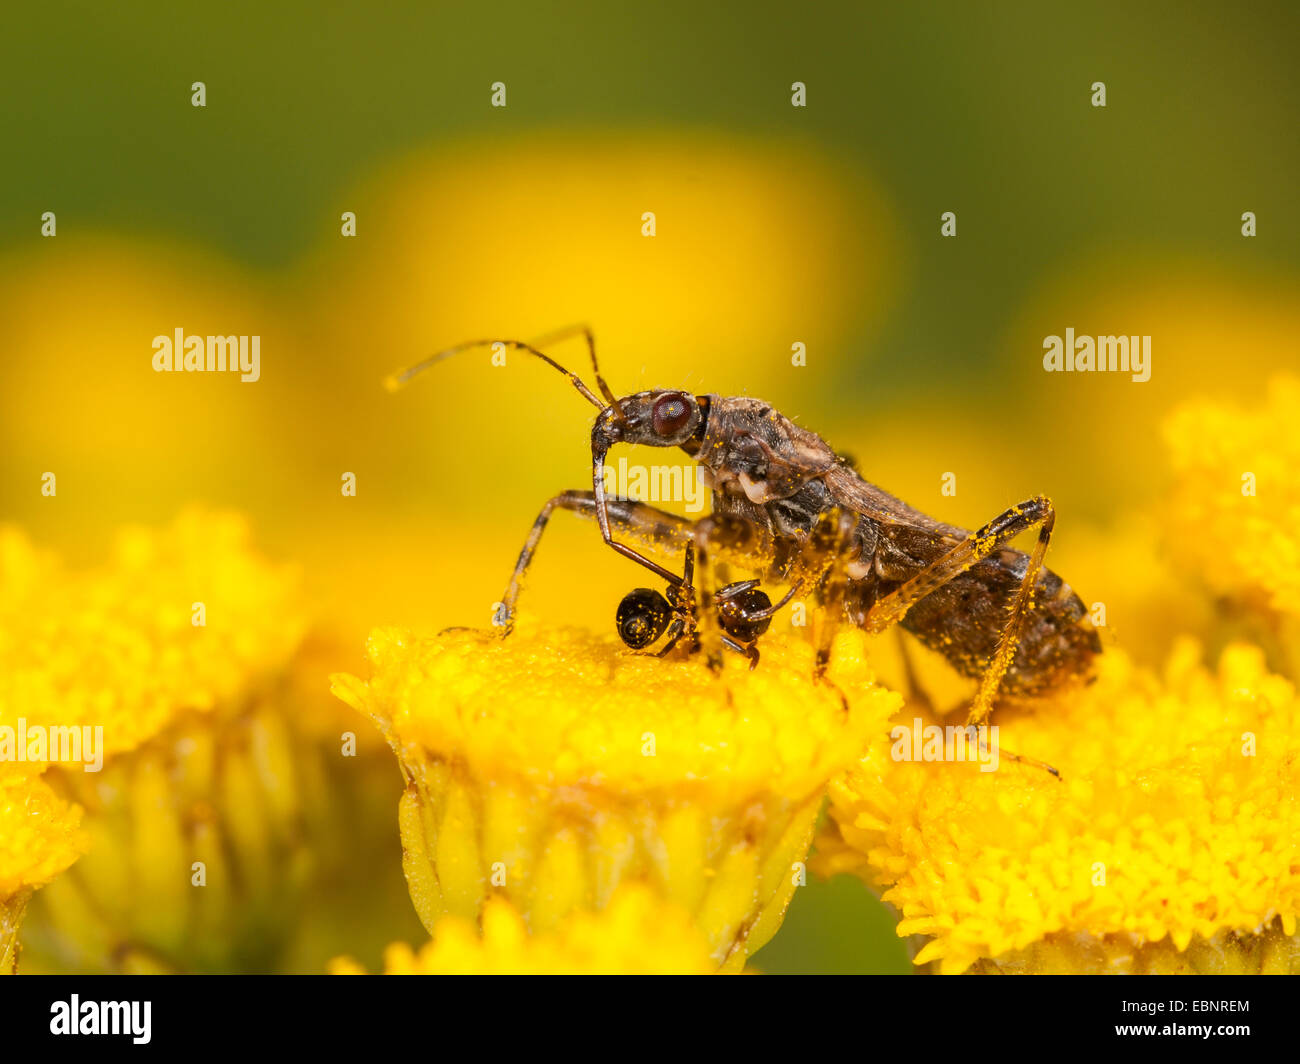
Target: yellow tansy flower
x,y
1172,843
177,649
1234,518
638,933
39,838
553,766
180,619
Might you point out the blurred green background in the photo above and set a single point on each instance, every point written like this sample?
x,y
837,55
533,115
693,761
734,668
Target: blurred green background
x,y
924,352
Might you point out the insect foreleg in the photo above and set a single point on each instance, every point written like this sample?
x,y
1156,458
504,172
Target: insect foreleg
x,y
654,531
732,539
823,564
972,550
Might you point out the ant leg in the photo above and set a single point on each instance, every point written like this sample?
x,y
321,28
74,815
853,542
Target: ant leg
x,y
750,650
676,629
652,530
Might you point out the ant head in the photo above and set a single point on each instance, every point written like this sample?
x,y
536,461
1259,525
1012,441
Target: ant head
x,y
734,611
656,419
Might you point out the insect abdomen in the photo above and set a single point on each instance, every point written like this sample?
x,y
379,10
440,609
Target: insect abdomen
x,y
964,620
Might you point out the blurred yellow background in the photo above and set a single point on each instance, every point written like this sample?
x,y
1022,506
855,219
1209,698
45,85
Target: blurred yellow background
x,y
775,225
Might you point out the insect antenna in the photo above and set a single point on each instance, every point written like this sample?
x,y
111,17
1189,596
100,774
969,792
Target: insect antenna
x,y
396,380
589,336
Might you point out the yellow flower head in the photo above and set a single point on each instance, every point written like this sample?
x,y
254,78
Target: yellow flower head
x,y
172,652
1235,513
1172,840
636,934
180,619
551,767
38,832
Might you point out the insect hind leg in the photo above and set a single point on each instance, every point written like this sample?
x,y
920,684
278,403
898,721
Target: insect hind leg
x,y
726,538
1036,512
916,694
821,565
1021,607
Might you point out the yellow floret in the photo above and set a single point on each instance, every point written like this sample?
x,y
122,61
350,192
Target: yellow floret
x,y
1235,513
196,777
1176,826
39,838
117,646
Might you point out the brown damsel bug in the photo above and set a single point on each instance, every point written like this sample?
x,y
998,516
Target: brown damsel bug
x,y
787,507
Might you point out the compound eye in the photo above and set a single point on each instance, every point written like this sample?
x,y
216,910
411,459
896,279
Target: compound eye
x,y
642,617
671,414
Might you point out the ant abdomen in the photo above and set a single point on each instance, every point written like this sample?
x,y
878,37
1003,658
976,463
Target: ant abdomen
x,y
642,617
